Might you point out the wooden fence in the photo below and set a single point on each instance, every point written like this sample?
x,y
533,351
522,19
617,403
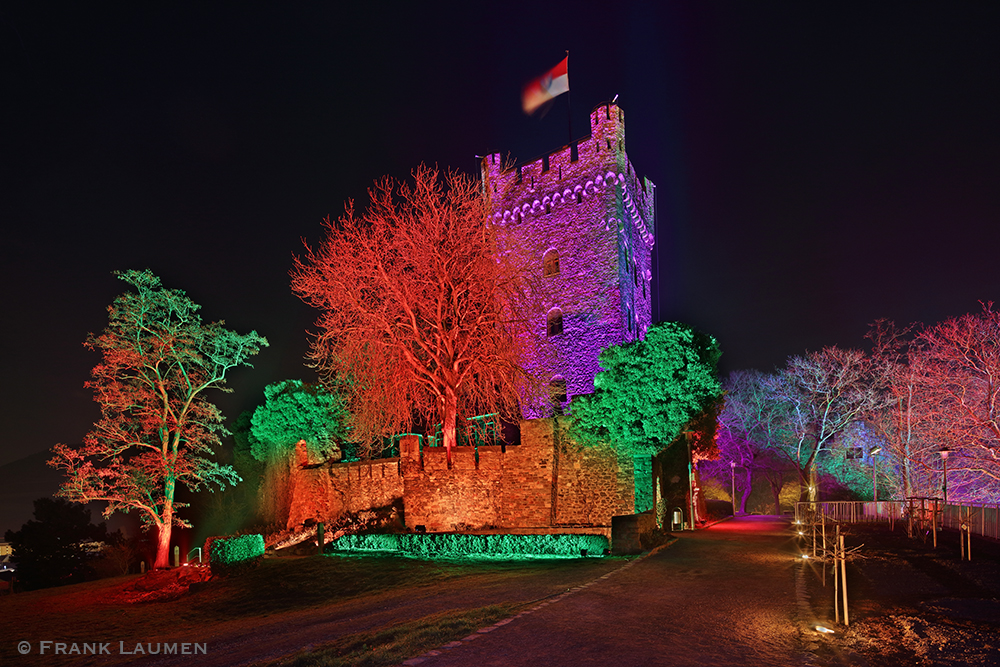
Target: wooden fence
x,y
979,518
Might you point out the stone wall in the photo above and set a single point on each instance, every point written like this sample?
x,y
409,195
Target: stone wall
x,y
585,205
546,481
292,494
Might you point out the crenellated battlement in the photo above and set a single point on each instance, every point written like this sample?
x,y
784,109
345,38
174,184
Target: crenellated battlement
x,y
591,220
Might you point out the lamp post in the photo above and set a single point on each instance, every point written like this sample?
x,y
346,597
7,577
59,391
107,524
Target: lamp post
x,y
687,437
944,452
732,465
875,474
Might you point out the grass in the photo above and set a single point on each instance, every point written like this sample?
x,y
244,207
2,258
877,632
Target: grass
x,y
392,645
279,588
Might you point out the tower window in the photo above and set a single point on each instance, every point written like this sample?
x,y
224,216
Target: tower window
x,y
609,148
579,197
554,325
557,394
548,207
545,163
550,263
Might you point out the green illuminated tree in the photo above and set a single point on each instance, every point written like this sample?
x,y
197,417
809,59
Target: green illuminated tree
x,y
156,426
294,410
650,389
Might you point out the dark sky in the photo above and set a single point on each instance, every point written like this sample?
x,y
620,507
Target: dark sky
x,y
819,165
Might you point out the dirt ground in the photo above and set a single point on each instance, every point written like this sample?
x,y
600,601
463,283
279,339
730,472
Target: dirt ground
x,y
912,604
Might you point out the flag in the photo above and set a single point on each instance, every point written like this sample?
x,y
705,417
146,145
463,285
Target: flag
x,y
552,84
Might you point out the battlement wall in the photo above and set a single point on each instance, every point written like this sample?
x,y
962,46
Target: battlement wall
x,y
547,481
587,219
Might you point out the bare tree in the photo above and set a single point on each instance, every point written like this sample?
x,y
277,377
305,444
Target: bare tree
x,y
960,380
822,394
751,426
424,305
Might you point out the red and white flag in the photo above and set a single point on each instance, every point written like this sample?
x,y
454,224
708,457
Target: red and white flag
x,y
552,84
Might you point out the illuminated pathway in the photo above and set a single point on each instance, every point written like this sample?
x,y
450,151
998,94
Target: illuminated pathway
x,y
721,596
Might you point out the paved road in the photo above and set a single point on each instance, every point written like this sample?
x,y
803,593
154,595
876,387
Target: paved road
x,y
720,597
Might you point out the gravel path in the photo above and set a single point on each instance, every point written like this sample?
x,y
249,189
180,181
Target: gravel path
x,y
724,596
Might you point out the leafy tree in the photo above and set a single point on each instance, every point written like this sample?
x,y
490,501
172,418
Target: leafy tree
x,y
58,546
423,308
292,411
650,389
156,426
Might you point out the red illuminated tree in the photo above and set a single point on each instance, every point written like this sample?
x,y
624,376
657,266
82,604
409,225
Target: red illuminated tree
x,y
960,381
156,425
423,308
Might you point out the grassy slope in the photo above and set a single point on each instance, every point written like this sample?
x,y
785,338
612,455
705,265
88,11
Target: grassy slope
x,y
279,588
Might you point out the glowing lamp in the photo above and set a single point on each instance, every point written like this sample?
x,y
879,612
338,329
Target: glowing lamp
x,y
824,630
805,556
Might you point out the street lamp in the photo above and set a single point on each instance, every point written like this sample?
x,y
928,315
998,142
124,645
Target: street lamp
x,y
944,452
732,465
687,437
875,473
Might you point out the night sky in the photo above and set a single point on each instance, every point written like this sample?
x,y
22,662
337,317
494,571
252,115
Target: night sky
x,y
819,165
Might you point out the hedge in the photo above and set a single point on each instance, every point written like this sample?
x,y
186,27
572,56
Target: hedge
x,y
453,545
231,555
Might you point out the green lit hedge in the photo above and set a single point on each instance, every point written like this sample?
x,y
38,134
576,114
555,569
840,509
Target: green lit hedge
x,y
450,545
231,555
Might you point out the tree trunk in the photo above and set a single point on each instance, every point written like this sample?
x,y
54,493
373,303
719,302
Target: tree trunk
x,y
448,425
747,489
164,528
776,486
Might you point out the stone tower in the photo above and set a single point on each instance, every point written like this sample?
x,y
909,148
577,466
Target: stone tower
x,y
589,221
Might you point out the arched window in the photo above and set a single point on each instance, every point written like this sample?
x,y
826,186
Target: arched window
x,y
557,394
554,325
550,263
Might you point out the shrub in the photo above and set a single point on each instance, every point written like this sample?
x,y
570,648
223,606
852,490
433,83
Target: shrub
x,y
233,555
456,545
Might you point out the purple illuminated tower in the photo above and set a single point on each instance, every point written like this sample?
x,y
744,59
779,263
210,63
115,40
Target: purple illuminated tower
x,y
588,219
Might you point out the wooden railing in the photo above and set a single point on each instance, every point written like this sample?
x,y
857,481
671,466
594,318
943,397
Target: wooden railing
x,y
978,518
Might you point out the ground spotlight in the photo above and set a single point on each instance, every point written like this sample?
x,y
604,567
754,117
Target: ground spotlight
x,y
824,630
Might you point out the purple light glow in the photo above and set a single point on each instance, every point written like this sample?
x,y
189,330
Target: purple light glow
x,y
590,221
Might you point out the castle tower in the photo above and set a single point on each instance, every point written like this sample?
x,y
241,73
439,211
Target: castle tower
x,y
588,220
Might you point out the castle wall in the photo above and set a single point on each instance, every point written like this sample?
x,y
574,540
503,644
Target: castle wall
x,y
585,203
326,493
547,481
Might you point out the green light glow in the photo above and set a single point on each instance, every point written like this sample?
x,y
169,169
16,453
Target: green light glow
x,y
229,555
453,545
650,389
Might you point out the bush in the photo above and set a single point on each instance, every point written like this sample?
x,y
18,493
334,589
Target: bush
x,y
455,545
233,555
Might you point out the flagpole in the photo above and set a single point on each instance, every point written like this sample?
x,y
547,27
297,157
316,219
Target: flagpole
x,y
569,103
